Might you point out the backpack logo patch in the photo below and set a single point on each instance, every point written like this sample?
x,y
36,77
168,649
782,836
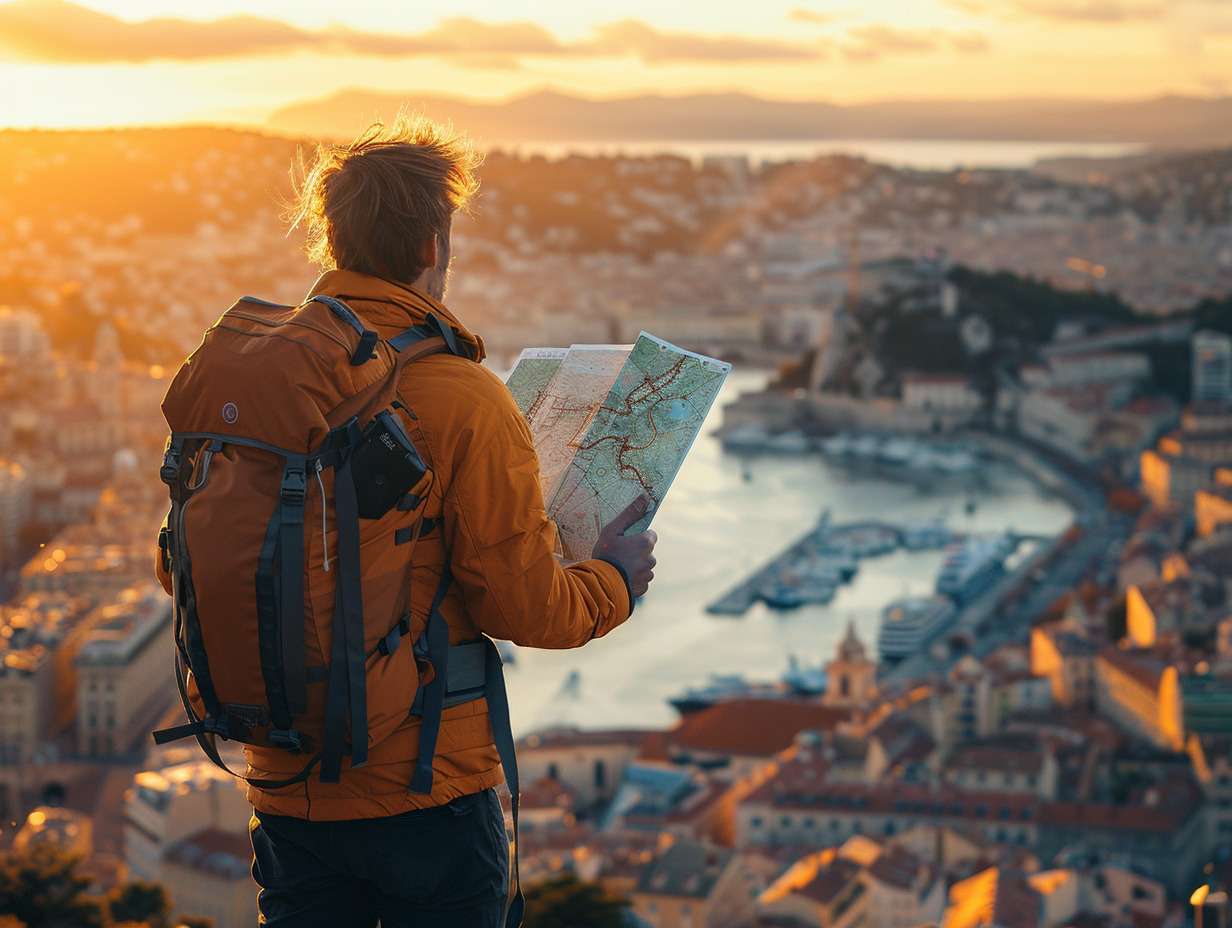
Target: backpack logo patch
x,y
230,413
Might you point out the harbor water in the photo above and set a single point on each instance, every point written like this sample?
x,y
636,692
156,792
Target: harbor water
x,y
726,516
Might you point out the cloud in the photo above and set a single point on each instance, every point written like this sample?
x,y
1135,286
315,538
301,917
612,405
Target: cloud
x,y
970,7
1068,11
630,37
812,17
56,30
1092,11
876,41
969,42
463,34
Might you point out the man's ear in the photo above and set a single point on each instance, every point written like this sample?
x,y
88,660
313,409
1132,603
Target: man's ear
x,y
430,251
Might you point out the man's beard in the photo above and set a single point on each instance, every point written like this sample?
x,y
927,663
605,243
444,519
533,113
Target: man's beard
x,y
435,280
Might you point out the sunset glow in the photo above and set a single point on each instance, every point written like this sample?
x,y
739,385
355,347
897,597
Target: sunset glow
x,y
124,62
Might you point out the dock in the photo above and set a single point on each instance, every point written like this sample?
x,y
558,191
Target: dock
x,y
738,600
863,539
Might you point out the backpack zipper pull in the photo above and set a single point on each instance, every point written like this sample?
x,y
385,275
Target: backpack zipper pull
x,y
324,537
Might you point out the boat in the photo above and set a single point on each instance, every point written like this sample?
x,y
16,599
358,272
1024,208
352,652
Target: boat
x,y
900,451
791,594
865,446
954,461
816,568
746,439
796,681
803,681
720,688
924,536
792,441
866,540
836,445
971,566
837,558
907,625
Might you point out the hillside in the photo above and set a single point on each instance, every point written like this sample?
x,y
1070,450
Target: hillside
x,y
549,116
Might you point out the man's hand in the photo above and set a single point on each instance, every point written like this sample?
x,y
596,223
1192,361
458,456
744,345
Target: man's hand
x,y
632,552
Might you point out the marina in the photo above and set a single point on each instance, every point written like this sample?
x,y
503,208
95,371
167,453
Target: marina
x,y
726,516
813,568
905,453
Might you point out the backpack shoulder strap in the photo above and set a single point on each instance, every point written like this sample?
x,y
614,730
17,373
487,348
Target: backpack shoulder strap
x,y
367,337
429,330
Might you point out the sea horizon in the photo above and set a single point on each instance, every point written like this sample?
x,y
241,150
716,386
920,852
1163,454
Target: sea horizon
x,y
910,153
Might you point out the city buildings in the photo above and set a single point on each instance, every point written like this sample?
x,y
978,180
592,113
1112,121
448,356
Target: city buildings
x,y
1085,778
1212,367
123,672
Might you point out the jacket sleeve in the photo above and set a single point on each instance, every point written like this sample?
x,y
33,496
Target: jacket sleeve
x,y
502,544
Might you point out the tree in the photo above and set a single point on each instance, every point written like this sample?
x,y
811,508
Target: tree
x,y
42,888
140,902
567,902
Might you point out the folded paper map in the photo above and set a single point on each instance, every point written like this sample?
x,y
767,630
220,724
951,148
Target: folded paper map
x,y
610,422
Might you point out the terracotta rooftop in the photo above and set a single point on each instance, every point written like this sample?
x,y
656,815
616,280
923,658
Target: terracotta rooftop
x,y
572,737
903,740
1159,808
1019,755
752,727
992,897
829,882
1138,666
899,868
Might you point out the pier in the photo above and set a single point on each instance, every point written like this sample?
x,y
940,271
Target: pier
x,y
862,539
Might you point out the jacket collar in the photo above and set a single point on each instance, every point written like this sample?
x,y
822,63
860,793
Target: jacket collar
x,y
392,307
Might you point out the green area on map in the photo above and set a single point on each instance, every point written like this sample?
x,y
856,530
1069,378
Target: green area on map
x,y
611,422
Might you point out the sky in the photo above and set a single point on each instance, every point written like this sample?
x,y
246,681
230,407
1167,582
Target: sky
x,y
156,62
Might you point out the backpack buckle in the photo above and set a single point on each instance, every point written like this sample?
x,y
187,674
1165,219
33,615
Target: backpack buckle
x,y
294,487
169,473
286,738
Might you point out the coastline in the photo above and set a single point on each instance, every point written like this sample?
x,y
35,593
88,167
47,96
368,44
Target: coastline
x,y
717,526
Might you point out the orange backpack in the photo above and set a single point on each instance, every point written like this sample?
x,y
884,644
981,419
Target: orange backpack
x,y
296,500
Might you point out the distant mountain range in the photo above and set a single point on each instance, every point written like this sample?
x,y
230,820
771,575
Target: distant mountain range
x,y
1170,122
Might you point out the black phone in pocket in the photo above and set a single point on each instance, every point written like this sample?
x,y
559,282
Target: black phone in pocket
x,y
384,465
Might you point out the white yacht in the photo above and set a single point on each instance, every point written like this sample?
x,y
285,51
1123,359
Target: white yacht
x,y
907,625
971,566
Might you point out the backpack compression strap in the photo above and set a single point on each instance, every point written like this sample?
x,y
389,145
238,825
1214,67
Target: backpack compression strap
x,y
346,659
502,734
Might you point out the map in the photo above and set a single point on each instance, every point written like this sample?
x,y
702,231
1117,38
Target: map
x,y
561,409
598,454
528,379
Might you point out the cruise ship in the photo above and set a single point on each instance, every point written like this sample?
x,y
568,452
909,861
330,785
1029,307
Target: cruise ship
x,y
971,566
909,624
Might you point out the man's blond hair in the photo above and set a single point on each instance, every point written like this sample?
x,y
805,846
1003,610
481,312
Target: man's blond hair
x,y
371,205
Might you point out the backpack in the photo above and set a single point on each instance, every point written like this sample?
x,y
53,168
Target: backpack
x,y
297,497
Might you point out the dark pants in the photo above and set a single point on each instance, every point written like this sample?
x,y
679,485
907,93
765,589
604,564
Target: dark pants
x,y
436,867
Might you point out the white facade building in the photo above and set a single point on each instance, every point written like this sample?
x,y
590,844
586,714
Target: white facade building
x,y
1212,366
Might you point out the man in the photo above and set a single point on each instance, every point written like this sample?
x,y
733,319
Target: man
x,y
378,214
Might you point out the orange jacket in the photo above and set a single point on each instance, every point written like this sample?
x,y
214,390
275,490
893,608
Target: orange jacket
x,y
508,582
